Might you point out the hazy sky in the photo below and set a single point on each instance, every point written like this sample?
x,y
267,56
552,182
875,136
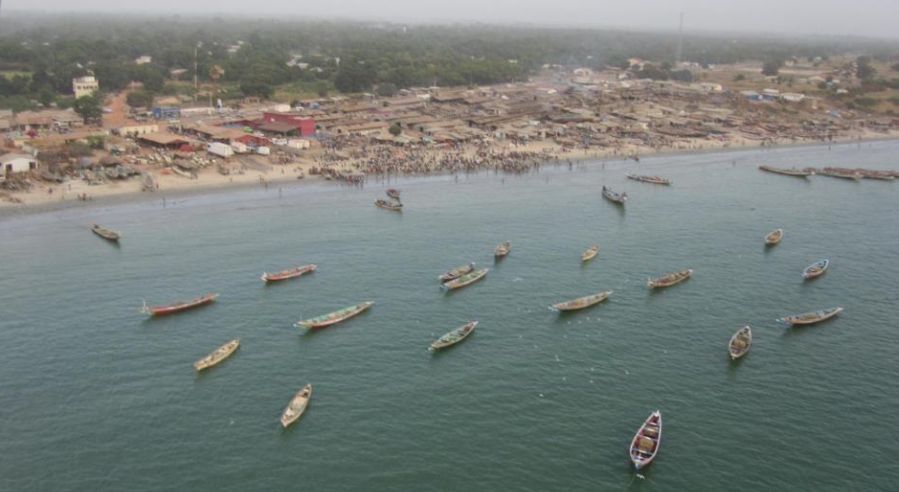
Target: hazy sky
x,y
879,18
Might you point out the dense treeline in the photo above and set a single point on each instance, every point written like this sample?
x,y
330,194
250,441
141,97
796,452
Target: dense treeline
x,y
48,52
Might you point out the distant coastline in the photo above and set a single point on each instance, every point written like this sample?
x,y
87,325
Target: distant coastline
x,y
111,195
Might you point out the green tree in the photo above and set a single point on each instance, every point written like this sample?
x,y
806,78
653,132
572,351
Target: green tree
x,y
257,88
864,70
395,129
771,67
387,89
140,99
89,108
354,76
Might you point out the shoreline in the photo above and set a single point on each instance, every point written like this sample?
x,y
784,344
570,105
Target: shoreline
x,y
131,193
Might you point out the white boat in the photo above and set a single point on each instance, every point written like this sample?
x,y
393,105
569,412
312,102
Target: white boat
x,y
297,406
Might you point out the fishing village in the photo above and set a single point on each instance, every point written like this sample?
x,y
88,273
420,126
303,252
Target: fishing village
x,y
557,117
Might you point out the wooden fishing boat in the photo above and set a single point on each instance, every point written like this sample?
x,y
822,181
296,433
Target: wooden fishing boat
x,y
393,207
840,173
329,319
583,302
456,273
811,318
393,193
669,279
740,343
872,174
645,444
649,179
455,336
617,198
774,237
178,306
503,249
816,269
466,279
288,274
590,253
217,355
107,234
799,173
297,406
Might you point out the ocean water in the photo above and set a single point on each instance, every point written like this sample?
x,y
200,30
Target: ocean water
x,y
95,396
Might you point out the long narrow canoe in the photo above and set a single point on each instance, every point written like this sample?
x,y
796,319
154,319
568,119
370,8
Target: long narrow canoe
x,y
669,279
288,274
218,355
612,196
466,279
816,269
107,234
329,319
872,174
393,207
799,173
840,173
649,179
645,444
774,237
740,343
178,306
297,406
583,302
456,273
590,253
811,318
503,249
455,336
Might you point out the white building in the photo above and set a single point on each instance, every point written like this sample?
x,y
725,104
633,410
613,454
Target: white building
x,y
143,60
85,86
17,163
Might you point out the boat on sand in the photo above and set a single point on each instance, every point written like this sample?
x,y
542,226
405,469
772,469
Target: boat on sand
x,y
590,253
178,306
288,274
467,279
669,279
645,444
217,355
456,273
583,302
740,343
329,319
455,336
297,406
812,317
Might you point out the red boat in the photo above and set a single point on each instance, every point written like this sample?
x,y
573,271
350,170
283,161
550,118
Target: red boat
x,y
178,306
287,274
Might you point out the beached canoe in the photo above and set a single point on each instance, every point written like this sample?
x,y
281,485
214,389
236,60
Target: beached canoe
x,y
393,207
583,302
669,279
799,173
217,355
649,179
503,249
467,279
329,319
645,444
107,234
297,406
811,318
590,253
178,306
455,336
456,273
288,274
614,197
393,193
816,269
872,174
740,343
774,237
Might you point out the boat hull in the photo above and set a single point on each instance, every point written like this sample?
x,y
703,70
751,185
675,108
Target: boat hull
x,y
774,238
297,406
217,356
179,307
669,280
582,303
734,347
454,337
314,323
816,270
288,274
651,430
466,280
812,318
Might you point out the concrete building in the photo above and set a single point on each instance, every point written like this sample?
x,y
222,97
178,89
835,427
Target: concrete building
x,y
85,86
17,163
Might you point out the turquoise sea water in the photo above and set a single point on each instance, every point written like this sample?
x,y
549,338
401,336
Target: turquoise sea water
x,y
95,396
